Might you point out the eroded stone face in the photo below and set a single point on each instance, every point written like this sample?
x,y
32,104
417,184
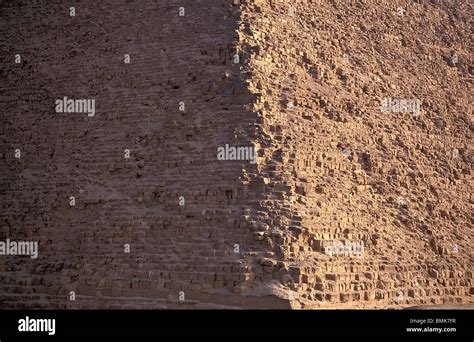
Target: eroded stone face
x,y
363,113
234,155
133,200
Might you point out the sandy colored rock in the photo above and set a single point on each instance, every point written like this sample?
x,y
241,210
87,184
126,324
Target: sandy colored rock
x,y
358,198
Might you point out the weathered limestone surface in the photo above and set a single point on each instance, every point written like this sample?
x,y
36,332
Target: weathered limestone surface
x,y
397,182
331,165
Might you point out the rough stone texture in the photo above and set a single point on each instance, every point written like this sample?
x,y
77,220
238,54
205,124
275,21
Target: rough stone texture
x,y
331,165
353,172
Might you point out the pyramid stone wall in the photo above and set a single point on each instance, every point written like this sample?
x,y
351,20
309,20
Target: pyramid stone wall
x,y
161,221
373,198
